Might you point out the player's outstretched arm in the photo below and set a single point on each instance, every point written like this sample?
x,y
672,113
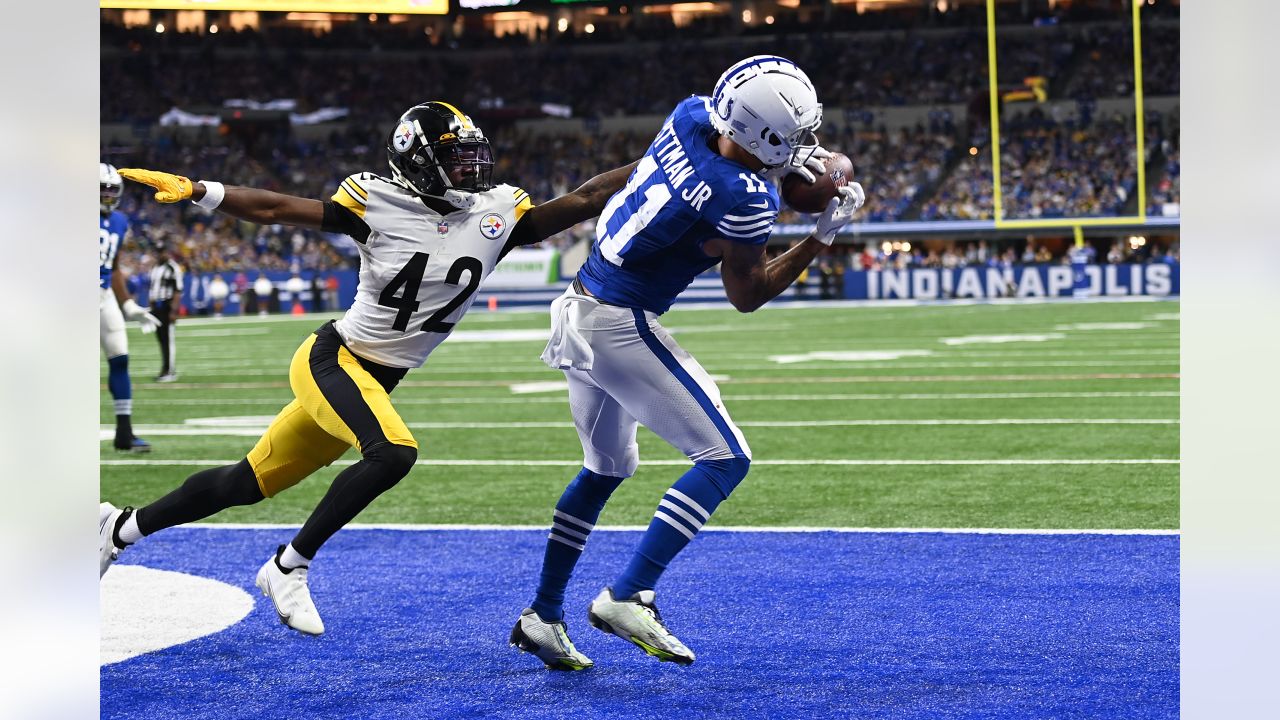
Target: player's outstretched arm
x,y
549,218
751,280
259,206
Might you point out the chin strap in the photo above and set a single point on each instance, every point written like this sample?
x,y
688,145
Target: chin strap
x,y
459,199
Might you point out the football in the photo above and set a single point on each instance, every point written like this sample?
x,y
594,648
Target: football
x,y
812,197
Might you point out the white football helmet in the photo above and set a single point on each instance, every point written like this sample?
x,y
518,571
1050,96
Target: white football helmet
x,y
111,187
767,105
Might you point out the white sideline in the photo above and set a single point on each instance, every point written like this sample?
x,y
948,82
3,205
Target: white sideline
x,y
685,463
723,528
721,305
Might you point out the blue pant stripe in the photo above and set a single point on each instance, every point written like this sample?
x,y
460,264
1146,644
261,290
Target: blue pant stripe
x,y
673,365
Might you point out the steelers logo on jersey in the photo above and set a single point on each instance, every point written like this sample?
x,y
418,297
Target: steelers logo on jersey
x,y
493,226
403,137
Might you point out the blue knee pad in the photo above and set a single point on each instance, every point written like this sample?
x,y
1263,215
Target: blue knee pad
x,y
118,377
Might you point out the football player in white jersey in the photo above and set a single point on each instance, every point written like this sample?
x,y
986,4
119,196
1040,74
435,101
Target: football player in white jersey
x,y
427,236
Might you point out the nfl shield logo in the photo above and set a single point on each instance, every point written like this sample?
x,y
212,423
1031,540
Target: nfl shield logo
x,y
442,227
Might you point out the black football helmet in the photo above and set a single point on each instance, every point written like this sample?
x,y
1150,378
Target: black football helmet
x,y
435,149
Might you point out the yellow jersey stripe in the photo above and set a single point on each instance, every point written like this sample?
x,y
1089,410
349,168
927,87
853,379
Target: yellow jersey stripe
x,y
344,198
355,188
523,206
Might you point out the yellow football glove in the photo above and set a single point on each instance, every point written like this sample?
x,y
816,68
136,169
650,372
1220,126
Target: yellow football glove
x,y
170,188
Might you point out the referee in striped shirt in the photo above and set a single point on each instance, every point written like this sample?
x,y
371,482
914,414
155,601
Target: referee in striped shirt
x,y
165,299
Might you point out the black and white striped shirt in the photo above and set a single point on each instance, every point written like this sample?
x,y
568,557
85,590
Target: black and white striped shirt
x,y
166,280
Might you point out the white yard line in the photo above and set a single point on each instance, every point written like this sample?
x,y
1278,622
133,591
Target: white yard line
x,y
710,528
789,366
953,354
253,427
140,462
279,363
560,399
220,332
759,380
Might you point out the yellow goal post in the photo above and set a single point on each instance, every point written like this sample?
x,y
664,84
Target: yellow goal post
x,y
1139,121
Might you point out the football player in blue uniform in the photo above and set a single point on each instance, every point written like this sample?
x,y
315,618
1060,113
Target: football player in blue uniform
x,y
702,194
115,306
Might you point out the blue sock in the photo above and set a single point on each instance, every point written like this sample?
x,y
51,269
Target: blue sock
x,y
119,385
575,517
680,515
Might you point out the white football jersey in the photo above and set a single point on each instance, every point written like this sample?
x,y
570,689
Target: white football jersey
x,y
419,270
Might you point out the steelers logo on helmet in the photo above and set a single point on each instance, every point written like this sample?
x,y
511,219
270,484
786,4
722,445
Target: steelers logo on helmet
x,y
402,138
493,226
436,151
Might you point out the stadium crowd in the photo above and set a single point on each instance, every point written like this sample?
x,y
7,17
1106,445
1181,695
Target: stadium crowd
x,y
896,68
924,172
935,170
1077,167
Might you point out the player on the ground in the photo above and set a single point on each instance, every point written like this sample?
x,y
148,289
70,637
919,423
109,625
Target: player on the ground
x,y
115,306
700,195
427,237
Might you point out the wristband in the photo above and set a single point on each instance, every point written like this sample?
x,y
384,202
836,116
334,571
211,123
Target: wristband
x,y
213,194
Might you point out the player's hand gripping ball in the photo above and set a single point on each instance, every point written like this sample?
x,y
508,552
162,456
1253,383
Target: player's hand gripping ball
x,y
812,197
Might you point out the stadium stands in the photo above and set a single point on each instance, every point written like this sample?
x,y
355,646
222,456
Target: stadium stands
x,y
878,69
1064,160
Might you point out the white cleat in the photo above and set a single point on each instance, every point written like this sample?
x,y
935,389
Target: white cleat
x,y
549,641
637,620
108,551
291,596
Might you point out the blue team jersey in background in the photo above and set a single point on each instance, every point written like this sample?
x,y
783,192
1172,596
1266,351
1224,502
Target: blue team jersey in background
x,y
649,237
111,232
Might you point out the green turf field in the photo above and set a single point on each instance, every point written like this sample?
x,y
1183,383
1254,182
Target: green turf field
x,y
1070,423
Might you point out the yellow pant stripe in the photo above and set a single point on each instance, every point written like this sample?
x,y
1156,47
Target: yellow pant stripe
x,y
377,399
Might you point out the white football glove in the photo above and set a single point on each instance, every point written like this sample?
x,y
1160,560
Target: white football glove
x,y
133,311
817,163
839,212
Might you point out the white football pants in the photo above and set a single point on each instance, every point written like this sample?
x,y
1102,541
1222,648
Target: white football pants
x,y
624,368
115,341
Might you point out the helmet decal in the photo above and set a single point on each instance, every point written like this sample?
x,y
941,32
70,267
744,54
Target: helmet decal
x,y
402,138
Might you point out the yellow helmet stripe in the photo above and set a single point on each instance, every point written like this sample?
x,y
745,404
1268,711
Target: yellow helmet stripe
x,y
466,121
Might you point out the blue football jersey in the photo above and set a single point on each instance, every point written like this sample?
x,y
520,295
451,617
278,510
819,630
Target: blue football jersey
x,y
111,232
649,237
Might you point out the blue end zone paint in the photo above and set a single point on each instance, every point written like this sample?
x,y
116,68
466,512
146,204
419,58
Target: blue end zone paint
x,y
785,625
